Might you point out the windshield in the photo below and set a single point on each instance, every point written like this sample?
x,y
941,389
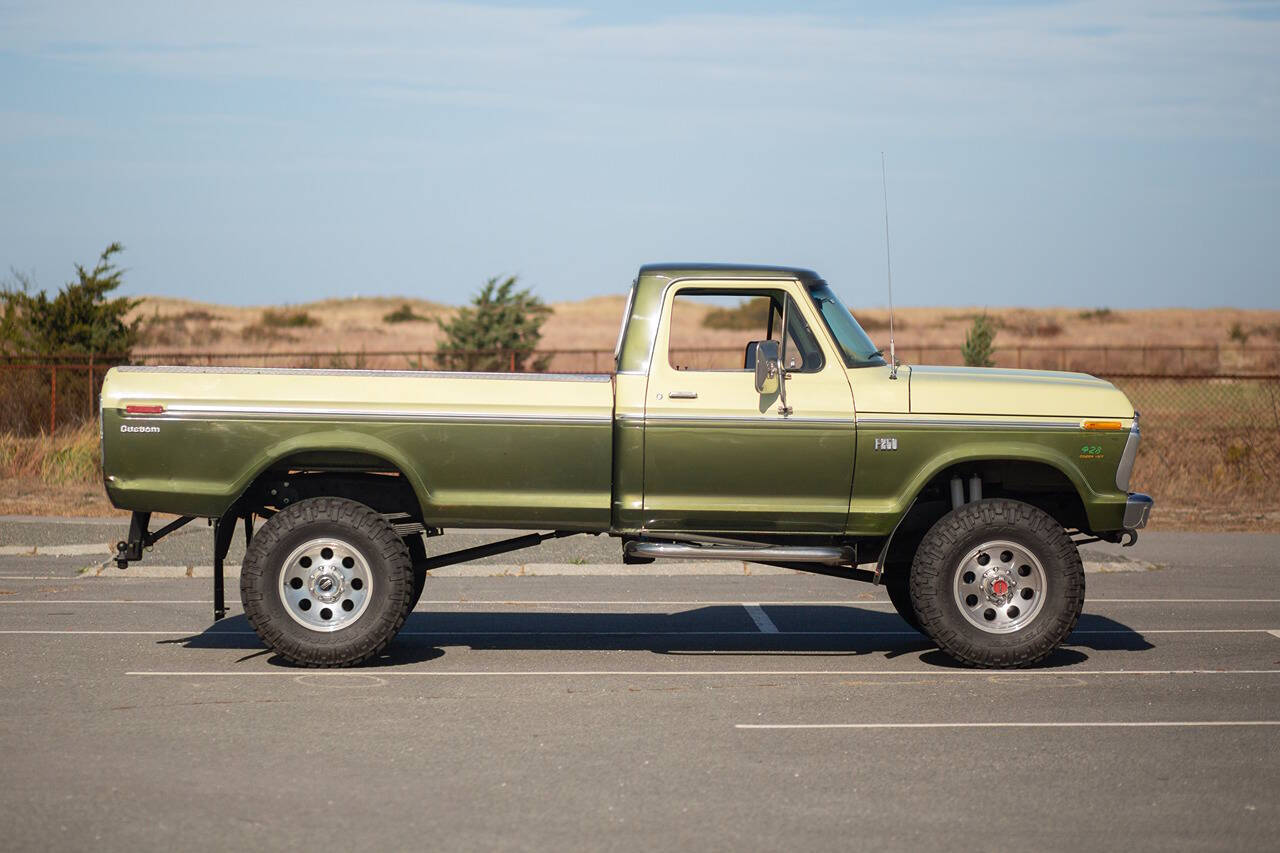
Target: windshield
x,y
856,348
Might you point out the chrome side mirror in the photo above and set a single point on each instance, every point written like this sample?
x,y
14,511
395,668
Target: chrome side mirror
x,y
768,357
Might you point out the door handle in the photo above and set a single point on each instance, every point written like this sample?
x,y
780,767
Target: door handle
x,y
683,395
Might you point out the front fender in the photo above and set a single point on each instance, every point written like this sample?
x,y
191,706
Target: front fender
x,y
886,483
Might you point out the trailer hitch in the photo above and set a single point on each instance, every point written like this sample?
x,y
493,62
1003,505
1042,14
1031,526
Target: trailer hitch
x,y
130,550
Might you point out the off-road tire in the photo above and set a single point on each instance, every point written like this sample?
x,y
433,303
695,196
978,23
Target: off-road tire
x,y
388,599
933,575
417,554
897,582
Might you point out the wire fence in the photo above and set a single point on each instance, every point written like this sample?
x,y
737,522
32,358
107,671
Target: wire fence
x,y
1210,445
1208,440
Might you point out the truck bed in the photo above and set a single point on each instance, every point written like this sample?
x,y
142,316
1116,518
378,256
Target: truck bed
x,y
479,449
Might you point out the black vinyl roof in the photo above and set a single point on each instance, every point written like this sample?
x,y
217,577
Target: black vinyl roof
x,y
722,269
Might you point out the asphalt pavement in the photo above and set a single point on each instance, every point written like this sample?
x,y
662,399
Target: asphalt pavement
x,y
557,699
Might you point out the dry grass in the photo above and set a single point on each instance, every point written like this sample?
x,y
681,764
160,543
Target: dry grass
x,y
64,458
53,475
360,324
1205,480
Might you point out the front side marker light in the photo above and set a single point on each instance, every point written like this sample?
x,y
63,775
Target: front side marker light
x,y
1102,425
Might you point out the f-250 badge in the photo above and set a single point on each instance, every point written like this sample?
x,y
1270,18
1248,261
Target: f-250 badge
x,y
886,444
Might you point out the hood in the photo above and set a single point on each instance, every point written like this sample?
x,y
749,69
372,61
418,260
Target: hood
x,y
1020,393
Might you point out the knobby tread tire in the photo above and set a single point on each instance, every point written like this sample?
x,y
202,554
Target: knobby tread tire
x,y
388,559
417,555
897,583
964,528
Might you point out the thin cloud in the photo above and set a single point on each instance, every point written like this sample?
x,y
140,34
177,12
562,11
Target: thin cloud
x,y
1128,69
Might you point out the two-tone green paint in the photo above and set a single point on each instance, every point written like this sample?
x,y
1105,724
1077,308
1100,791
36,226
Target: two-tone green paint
x,y
887,481
584,453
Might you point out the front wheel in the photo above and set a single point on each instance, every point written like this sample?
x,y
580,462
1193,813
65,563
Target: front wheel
x,y
327,582
997,583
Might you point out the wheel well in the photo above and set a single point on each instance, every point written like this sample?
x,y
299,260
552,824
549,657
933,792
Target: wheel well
x,y
363,477
1036,483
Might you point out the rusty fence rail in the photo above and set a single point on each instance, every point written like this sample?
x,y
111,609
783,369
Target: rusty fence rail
x,y
1173,360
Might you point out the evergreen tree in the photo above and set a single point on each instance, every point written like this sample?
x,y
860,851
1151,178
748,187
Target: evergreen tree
x,y
81,318
979,343
499,330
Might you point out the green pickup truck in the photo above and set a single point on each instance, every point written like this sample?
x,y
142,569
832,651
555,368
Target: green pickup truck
x,y
964,491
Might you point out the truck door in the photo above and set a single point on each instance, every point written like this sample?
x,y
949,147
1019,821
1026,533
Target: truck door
x,y
718,455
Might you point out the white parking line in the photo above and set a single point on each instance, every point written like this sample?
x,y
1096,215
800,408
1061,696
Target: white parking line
x,y
56,550
509,602
53,630
562,673
39,578
762,620
639,633
61,601
1275,634
986,725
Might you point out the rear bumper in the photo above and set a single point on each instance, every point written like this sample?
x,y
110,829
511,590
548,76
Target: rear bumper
x,y
1137,509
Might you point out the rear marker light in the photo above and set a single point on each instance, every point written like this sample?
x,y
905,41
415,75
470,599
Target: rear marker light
x,y
144,410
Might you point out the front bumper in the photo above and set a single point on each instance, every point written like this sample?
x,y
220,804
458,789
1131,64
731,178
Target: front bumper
x,y
1137,509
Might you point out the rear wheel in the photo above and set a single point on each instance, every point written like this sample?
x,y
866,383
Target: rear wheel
x,y
326,582
997,583
897,582
417,555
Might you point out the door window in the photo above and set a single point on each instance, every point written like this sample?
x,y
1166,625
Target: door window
x,y
713,330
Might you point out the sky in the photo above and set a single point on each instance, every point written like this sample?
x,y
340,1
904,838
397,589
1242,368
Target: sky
x,y
1085,153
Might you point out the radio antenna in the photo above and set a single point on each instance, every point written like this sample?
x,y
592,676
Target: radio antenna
x,y
888,265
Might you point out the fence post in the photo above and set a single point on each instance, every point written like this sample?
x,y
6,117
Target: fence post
x,y
53,398
90,393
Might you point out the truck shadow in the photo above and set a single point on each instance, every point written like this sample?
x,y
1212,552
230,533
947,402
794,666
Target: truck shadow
x,y
728,629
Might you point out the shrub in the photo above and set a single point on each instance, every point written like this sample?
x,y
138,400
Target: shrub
x,y
750,314
404,314
979,343
498,331
190,327
285,319
1104,315
80,318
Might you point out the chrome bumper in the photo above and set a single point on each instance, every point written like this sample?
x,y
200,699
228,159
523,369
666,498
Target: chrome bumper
x,y
1137,510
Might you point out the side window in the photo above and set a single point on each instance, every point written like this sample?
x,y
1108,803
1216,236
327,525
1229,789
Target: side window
x,y
713,330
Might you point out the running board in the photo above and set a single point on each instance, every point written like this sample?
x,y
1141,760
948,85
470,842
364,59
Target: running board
x,y
826,555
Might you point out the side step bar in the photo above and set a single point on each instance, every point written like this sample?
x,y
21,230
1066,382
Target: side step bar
x,y
826,555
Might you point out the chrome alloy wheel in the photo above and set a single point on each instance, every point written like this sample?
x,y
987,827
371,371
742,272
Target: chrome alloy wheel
x,y
999,587
325,584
